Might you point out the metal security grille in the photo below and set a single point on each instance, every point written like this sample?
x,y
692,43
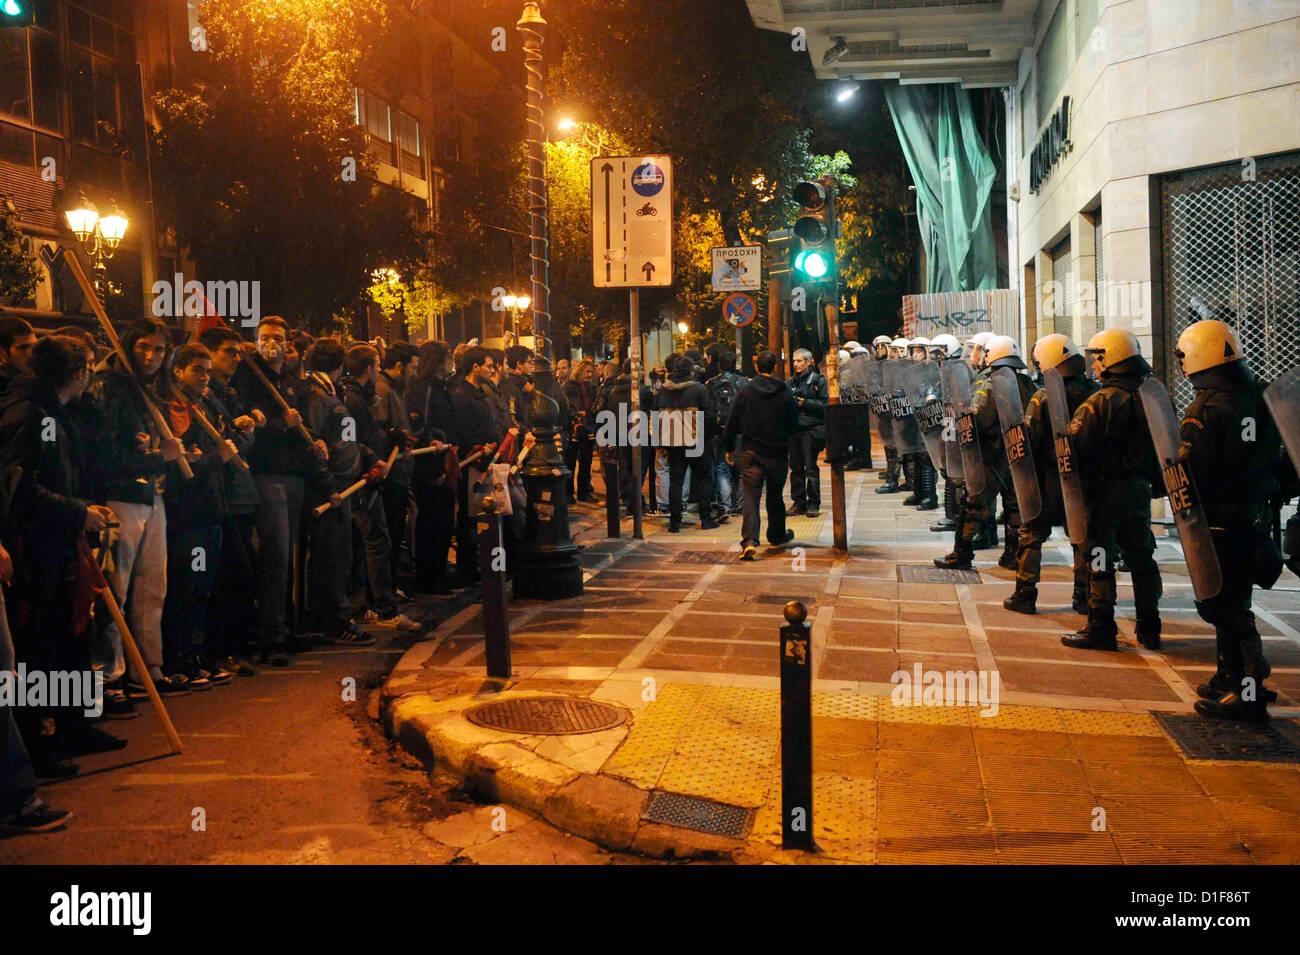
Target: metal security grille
x,y
1062,275
1230,238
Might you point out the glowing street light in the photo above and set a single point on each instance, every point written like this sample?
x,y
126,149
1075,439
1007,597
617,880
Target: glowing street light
x,y
99,236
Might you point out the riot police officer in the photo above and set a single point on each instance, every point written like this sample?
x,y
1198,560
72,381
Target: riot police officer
x,y
1000,351
946,348
880,346
924,480
1117,462
902,426
1051,351
987,536
1231,447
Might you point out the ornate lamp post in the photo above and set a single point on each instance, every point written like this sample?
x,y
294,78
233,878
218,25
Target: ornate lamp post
x,y
549,569
99,236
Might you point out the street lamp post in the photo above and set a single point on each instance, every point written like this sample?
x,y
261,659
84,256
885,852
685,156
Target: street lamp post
x,y
549,566
99,237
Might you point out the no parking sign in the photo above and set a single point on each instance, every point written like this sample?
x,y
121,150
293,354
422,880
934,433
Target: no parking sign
x,y
739,309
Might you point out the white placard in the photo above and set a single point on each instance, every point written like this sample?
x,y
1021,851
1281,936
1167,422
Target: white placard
x,y
737,268
632,221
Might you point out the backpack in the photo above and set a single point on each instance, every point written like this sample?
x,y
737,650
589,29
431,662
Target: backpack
x,y
724,392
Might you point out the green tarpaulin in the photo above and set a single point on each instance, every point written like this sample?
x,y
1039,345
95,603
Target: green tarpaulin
x,y
954,177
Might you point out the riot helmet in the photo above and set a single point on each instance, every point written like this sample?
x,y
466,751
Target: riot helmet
x,y
1053,350
1207,344
1001,351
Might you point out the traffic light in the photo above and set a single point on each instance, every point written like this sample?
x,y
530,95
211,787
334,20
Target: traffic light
x,y
16,13
815,228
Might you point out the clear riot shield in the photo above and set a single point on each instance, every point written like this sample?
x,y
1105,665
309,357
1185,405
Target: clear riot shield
x,y
906,435
1058,407
1015,439
859,365
1184,499
956,377
1283,401
848,384
927,408
968,438
878,403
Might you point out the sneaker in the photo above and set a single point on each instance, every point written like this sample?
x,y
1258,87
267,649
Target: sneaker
x,y
789,536
274,656
749,553
91,739
220,676
117,706
40,818
354,636
178,684
795,511
812,513
241,666
400,621
199,680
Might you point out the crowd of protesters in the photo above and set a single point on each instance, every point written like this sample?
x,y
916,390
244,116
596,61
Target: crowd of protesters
x,y
242,501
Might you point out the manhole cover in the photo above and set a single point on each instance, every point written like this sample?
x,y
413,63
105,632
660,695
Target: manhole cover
x,y
702,815
778,599
921,574
704,557
1217,739
548,716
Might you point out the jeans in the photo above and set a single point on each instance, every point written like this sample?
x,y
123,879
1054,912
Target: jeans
x,y
805,481
370,562
139,581
397,503
578,460
17,778
329,563
278,519
661,478
759,474
193,559
722,479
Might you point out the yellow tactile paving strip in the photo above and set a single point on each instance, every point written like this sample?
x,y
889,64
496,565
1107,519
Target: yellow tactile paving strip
x,y
946,784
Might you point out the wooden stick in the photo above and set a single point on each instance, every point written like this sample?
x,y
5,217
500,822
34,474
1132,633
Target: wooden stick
x,y
88,291
469,460
279,398
205,424
429,450
137,661
352,489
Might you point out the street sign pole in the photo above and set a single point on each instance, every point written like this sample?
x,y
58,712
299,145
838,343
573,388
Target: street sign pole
x,y
634,346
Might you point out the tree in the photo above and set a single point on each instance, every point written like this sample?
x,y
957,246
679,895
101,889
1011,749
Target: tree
x,y
19,271
261,165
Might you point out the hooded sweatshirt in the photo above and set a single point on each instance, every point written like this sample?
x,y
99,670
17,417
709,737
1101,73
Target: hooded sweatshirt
x,y
763,417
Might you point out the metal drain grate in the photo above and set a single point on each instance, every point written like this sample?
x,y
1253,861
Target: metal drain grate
x,y
547,716
705,557
921,574
702,815
1245,742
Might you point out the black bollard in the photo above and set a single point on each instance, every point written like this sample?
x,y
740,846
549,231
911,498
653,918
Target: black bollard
x,y
609,466
796,730
496,615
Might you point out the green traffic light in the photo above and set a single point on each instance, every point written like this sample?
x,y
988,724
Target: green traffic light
x,y
12,8
812,263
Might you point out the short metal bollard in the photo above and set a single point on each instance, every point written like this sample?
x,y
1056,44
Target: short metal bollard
x,y
496,614
608,468
796,730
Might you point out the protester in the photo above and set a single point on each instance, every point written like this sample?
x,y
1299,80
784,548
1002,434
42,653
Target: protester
x,y
435,496
16,342
809,388
724,385
581,395
397,367
757,440
475,427
686,422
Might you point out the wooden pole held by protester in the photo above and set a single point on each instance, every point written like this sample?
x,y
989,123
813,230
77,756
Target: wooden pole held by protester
x,y
279,398
151,407
207,425
137,662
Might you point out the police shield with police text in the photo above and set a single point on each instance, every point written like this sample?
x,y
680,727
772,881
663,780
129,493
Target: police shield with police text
x,y
1020,456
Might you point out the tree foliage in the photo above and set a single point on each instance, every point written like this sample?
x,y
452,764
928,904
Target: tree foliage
x,y
19,271
252,157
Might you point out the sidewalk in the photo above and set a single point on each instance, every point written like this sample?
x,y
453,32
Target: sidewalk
x,y
1077,765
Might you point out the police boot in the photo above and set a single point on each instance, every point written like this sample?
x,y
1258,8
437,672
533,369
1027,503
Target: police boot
x,y
1024,600
1079,600
962,553
891,473
1008,558
911,472
1147,632
1246,699
1099,634
948,521
929,487
987,536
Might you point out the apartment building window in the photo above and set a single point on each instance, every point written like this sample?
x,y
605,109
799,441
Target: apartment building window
x,y
408,141
1054,61
372,116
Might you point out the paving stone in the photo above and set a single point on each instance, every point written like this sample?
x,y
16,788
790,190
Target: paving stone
x,y
603,809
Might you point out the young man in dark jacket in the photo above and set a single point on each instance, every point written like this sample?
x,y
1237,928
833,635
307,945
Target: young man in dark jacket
x,y
763,419
48,513
580,394
281,461
372,560
809,438
723,387
133,457
617,404
474,427
435,497
685,426
329,551
396,368
195,519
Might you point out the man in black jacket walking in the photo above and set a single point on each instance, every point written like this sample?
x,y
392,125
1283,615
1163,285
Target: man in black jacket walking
x,y
763,418
685,417
809,438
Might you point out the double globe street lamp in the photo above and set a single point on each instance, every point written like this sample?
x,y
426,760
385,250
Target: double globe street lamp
x,y
99,235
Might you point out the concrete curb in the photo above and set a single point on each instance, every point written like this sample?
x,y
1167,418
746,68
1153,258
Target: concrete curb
x,y
503,767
